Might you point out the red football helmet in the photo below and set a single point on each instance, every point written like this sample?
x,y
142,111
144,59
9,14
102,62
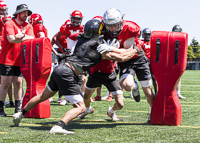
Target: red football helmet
x,y
76,18
35,18
6,18
100,18
3,8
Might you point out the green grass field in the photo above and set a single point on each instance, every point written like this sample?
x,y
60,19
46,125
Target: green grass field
x,y
98,127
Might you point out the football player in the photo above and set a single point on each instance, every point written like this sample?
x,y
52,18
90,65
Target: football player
x,y
146,35
65,76
177,28
126,32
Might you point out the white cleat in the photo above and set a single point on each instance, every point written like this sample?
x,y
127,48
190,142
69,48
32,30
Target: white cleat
x,y
59,130
17,118
180,96
64,102
113,116
106,96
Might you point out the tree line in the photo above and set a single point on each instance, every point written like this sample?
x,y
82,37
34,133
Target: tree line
x,y
193,49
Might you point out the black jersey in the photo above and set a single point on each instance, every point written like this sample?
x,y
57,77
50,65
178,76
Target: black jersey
x,y
85,53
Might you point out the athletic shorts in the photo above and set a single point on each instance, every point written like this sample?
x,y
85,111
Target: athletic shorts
x,y
109,80
141,69
7,70
65,80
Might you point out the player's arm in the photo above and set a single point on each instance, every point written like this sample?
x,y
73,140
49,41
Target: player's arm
x,y
18,38
120,55
56,41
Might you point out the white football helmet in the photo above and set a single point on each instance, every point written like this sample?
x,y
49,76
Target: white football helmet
x,y
113,16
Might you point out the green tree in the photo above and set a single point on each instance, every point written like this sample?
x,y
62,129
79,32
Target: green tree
x,y
195,45
190,53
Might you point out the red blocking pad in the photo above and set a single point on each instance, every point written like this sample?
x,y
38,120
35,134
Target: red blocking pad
x,y
36,67
168,62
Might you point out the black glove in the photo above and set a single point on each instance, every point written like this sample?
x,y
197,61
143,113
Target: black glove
x,y
61,55
67,51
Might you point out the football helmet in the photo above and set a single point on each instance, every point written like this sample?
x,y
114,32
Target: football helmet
x,y
35,18
76,18
92,28
6,18
112,17
146,34
177,28
100,18
3,8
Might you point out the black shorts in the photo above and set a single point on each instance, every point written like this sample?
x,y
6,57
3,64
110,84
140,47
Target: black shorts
x,y
65,80
141,69
109,80
7,70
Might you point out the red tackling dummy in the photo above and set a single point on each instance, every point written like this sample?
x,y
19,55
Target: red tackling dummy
x,y
36,67
168,62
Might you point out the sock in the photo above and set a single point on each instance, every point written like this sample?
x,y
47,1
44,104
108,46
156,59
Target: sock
x,y
24,111
178,91
61,124
11,103
88,109
111,110
1,104
17,106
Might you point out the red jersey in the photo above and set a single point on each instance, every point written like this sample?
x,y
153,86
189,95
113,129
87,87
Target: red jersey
x,y
130,29
146,47
10,53
68,29
39,28
1,31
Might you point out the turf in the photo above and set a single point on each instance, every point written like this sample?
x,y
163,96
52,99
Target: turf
x,y
98,127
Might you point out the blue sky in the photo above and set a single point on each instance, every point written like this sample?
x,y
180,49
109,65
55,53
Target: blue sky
x,y
157,15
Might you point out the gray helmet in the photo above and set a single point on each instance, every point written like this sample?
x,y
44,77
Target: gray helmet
x,y
177,28
110,17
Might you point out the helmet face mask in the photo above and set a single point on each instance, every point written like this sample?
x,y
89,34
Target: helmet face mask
x,y
3,8
146,34
76,18
113,18
92,28
35,19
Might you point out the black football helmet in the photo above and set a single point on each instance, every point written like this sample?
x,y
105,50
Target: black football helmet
x,y
177,28
92,28
146,34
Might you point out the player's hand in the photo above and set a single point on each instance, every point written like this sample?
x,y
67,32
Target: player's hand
x,y
59,55
113,43
104,48
19,34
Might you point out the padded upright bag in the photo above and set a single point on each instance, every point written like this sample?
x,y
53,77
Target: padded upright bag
x,y
168,62
35,67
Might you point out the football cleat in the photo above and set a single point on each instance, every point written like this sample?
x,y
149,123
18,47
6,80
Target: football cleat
x,y
97,98
180,96
113,116
2,113
17,118
64,102
136,93
82,115
109,98
59,130
106,96
148,120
